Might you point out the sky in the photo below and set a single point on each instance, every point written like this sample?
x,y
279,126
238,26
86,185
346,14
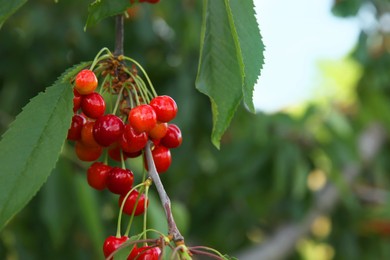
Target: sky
x,y
297,34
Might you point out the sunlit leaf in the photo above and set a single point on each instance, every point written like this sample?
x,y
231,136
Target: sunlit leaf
x,y
230,59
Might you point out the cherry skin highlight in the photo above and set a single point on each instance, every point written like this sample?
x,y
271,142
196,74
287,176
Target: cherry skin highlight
x,y
97,175
165,108
93,105
142,118
108,129
119,181
85,82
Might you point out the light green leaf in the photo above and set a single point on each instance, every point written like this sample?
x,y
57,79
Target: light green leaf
x,y
249,45
231,57
30,148
101,9
7,8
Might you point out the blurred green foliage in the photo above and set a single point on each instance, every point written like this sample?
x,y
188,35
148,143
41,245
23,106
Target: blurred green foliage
x,y
228,199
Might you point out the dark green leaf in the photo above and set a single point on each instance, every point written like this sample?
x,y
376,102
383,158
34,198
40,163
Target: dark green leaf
x,y
30,148
7,8
230,59
101,9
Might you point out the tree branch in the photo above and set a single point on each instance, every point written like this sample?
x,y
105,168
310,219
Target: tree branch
x,y
282,243
119,34
165,201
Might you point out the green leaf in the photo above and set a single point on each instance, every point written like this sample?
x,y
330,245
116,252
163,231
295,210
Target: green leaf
x,y
101,9
30,148
7,8
230,60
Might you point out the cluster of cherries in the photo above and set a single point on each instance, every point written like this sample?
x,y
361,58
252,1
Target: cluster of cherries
x,y
93,131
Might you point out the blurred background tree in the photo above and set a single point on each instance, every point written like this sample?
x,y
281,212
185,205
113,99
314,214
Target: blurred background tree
x,y
318,177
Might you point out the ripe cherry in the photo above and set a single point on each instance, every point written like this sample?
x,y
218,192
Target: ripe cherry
x,y
87,153
132,141
108,129
142,118
93,105
119,181
144,253
112,243
130,203
173,137
74,132
76,100
165,108
87,135
97,174
158,131
86,82
161,157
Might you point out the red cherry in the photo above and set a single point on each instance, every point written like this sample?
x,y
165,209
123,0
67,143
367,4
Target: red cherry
x,y
86,82
74,132
161,157
87,153
132,141
76,100
173,137
144,253
97,174
119,181
142,118
165,107
158,131
112,243
93,105
130,203
108,129
87,135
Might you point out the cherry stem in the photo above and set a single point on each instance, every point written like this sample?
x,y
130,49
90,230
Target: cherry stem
x,y
165,201
119,34
146,209
144,72
118,227
135,206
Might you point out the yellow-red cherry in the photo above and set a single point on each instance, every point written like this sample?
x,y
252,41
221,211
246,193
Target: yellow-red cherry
x,y
142,118
165,108
87,153
85,82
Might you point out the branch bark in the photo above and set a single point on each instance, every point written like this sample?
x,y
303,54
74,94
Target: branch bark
x,y
282,243
165,201
119,34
